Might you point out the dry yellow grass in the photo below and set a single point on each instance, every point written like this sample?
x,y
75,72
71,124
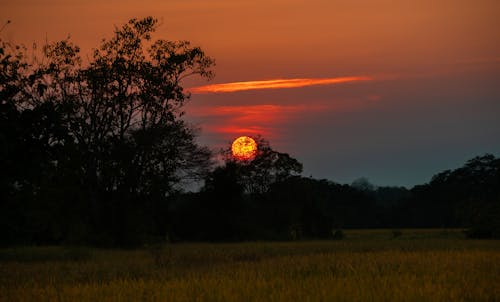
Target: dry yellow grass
x,y
366,266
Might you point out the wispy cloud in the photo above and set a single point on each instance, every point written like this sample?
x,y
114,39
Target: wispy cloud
x,y
274,84
251,119
274,121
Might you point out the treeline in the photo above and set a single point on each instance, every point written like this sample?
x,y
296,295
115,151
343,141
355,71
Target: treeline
x,y
299,207
97,153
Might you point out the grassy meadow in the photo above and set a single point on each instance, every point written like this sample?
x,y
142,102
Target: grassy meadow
x,y
368,265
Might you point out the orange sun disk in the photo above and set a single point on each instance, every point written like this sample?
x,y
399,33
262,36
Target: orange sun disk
x,y
244,148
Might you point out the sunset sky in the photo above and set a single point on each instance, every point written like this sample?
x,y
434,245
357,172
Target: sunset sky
x,y
394,91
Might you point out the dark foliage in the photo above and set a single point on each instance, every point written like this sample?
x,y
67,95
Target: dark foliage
x,y
297,208
92,153
98,153
465,197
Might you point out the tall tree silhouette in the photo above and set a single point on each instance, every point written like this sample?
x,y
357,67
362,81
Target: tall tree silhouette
x,y
124,138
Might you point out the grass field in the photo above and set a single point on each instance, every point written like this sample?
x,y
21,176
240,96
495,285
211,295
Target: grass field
x,y
368,265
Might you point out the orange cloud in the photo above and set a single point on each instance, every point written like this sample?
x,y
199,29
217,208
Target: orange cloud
x,y
274,84
272,121
252,119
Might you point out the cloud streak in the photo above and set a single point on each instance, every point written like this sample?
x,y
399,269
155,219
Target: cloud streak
x,y
270,120
274,84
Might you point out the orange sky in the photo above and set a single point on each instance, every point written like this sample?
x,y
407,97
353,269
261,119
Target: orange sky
x,y
433,101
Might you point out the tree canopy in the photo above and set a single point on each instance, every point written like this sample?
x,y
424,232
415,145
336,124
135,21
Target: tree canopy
x,y
109,130
265,168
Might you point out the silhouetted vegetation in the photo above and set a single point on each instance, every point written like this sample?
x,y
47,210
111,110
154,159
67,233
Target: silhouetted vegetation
x,y
92,152
465,197
97,153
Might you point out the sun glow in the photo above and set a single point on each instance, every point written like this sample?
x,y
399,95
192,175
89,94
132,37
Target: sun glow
x,y
244,148
274,84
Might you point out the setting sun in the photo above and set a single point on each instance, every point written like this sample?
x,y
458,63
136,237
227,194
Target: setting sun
x,y
244,148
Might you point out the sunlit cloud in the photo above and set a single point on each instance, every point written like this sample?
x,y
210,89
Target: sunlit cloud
x,y
274,84
273,121
234,131
251,119
268,120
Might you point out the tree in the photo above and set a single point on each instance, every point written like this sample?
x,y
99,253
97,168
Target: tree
x,y
232,192
118,117
267,167
129,95
363,184
465,197
30,140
